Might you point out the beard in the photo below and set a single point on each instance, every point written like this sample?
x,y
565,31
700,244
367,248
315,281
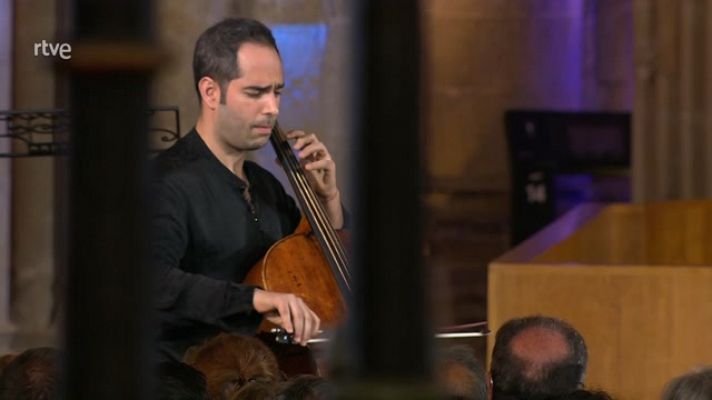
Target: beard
x,y
244,136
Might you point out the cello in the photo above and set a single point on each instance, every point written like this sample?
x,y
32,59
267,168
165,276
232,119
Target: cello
x,y
312,262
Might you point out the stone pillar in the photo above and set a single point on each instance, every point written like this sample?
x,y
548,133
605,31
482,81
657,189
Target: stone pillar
x,y
672,119
608,73
5,172
33,178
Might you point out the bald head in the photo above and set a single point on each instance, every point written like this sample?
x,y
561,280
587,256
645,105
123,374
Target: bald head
x,y
539,347
537,357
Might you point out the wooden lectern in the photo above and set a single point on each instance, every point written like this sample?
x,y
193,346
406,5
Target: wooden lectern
x,y
635,280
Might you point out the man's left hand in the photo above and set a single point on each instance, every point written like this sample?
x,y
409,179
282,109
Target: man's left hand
x,y
321,172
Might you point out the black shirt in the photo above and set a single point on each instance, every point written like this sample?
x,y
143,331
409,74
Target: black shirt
x,y
205,237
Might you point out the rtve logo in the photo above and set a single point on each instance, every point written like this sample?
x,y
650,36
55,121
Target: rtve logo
x,y
63,50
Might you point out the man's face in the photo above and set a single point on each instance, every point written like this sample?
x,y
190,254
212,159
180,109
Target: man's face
x,y
251,106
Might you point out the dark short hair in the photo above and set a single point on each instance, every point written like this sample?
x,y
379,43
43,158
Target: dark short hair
x,y
306,387
215,52
180,381
511,375
463,356
32,375
583,394
696,385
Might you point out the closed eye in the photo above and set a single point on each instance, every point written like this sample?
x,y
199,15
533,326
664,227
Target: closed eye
x,y
257,91
255,94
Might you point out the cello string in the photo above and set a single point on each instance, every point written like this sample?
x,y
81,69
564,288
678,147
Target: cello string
x,y
315,207
320,215
323,220
302,185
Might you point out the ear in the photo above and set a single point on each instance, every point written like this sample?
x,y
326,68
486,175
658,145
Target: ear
x,y
209,92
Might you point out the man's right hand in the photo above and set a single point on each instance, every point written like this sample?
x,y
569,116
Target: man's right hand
x,y
288,311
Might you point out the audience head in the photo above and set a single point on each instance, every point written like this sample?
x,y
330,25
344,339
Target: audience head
x,y
230,361
695,385
5,360
179,381
307,387
537,357
582,394
32,375
256,391
460,375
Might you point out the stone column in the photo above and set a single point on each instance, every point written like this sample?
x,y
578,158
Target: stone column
x,y
33,178
608,73
672,119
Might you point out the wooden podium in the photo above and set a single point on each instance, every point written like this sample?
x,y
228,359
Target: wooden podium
x,y
635,280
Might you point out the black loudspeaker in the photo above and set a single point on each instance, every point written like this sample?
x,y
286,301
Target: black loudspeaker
x,y
561,159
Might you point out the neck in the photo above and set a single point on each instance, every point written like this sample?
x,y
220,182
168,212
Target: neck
x,y
232,159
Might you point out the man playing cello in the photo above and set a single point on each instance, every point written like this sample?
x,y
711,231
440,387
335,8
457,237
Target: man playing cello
x,y
217,213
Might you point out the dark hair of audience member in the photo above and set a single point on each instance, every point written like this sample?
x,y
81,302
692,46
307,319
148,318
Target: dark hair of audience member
x,y
459,374
179,381
519,378
307,387
582,394
256,391
230,361
5,360
695,385
32,375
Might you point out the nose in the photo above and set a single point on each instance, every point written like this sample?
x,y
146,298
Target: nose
x,y
272,104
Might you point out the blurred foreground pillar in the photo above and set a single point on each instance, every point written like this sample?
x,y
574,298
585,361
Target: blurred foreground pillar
x,y
108,305
390,346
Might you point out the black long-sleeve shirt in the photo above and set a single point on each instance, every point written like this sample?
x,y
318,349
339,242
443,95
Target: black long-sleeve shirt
x,y
205,237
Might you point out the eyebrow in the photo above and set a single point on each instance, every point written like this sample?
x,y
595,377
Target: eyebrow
x,y
265,88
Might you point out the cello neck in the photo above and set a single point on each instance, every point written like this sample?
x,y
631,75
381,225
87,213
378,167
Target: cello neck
x,y
313,209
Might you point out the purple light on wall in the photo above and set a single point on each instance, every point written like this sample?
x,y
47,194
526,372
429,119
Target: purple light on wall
x,y
556,56
302,49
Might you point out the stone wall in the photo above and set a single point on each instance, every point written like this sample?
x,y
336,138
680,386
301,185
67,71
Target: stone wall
x,y
485,57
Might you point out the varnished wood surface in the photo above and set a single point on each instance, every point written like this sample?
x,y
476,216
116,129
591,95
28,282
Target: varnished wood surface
x,y
295,264
668,233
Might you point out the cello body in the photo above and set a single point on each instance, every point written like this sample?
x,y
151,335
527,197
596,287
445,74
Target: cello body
x,y
296,264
